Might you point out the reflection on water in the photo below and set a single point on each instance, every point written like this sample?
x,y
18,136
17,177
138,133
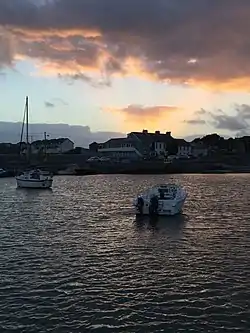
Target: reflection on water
x,y
173,224
76,258
34,191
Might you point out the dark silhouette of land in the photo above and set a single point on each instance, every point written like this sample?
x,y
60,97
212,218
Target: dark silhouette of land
x,y
224,155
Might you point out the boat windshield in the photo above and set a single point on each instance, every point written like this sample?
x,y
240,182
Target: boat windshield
x,y
167,193
35,175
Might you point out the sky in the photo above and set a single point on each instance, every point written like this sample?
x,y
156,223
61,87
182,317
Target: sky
x,y
115,66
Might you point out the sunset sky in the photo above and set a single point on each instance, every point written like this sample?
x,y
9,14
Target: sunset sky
x,y
123,65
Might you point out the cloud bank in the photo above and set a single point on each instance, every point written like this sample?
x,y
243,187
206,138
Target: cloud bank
x,y
238,123
196,42
81,135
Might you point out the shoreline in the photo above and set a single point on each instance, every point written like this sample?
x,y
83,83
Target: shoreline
x,y
205,172
60,164
208,172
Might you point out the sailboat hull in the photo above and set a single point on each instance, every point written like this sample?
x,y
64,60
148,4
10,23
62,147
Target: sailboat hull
x,y
23,183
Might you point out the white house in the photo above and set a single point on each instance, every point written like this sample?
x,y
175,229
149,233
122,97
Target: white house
x,y
153,144
185,149
119,148
192,149
160,148
53,146
136,145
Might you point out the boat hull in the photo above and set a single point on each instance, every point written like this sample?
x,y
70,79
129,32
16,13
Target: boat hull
x,y
166,208
43,184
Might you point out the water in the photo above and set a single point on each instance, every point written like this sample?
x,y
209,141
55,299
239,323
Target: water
x,y
75,260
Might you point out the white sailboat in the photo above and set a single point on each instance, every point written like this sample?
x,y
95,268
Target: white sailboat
x,y
32,177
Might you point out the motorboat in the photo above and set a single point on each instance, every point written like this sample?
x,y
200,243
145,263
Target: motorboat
x,y
34,178
166,199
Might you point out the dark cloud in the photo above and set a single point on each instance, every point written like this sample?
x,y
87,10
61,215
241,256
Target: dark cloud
x,y
49,104
243,111
195,122
196,41
238,121
231,123
56,102
242,133
81,135
198,115
201,112
61,101
96,83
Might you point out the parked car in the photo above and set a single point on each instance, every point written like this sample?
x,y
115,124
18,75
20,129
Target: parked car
x,y
93,159
105,159
184,157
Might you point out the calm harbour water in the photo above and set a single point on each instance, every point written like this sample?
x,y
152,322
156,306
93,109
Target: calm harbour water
x,y
75,260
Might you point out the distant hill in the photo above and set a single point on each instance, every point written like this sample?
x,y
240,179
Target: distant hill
x,y
81,135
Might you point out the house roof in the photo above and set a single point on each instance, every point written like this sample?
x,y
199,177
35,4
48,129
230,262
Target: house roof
x,y
118,140
182,142
152,137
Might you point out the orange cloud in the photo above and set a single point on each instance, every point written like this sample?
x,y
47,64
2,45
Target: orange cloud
x,y
168,43
234,84
150,117
41,34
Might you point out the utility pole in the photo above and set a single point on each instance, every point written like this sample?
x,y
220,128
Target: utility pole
x,y
45,144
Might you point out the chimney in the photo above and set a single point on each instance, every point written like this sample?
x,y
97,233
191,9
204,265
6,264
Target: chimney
x,y
168,133
145,131
157,132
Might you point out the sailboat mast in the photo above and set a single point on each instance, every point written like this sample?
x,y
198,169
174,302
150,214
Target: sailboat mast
x,y
27,121
27,125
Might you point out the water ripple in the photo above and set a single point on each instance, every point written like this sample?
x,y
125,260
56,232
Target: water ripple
x,y
75,259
